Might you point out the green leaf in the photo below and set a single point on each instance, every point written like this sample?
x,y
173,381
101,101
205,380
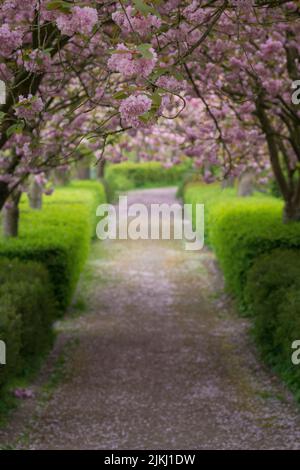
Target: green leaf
x,y
142,7
15,128
119,51
144,49
156,100
120,95
61,5
178,75
146,117
159,71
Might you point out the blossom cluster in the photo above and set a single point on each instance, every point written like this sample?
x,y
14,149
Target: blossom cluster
x,y
36,61
80,20
137,23
9,40
28,108
133,107
131,63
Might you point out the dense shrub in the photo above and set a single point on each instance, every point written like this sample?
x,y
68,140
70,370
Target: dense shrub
x,y
129,175
272,294
117,183
39,271
27,311
209,195
244,230
59,235
260,258
241,229
88,192
10,333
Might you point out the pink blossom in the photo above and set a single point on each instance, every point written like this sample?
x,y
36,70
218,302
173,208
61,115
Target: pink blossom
x,y
130,63
140,24
133,107
23,393
170,83
273,86
208,177
40,179
37,61
28,108
9,40
271,48
81,20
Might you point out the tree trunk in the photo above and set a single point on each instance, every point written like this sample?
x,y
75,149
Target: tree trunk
x,y
291,212
246,184
83,170
228,182
35,196
11,216
101,168
4,193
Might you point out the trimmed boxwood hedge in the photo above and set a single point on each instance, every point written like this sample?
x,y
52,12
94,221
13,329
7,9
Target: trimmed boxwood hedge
x,y
209,195
241,229
39,271
59,235
272,294
260,258
27,311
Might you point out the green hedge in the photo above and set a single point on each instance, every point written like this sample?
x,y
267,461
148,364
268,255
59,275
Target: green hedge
x,y
209,195
272,294
39,271
260,258
241,229
27,311
87,192
129,175
59,235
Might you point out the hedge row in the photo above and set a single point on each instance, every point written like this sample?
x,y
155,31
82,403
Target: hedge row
x,y
260,258
27,311
40,269
241,229
272,295
58,236
129,175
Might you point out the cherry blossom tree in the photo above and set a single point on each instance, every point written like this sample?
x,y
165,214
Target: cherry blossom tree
x,y
123,65
250,63
120,55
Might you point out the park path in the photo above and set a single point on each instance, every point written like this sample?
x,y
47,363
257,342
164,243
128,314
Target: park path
x,y
159,360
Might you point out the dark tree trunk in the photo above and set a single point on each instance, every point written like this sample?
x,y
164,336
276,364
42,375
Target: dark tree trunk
x,y
101,168
289,189
11,215
4,193
35,196
291,212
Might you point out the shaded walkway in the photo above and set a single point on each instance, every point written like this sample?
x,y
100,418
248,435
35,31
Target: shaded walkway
x,y
160,361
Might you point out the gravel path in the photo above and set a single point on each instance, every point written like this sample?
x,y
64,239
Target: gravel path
x,y
161,361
